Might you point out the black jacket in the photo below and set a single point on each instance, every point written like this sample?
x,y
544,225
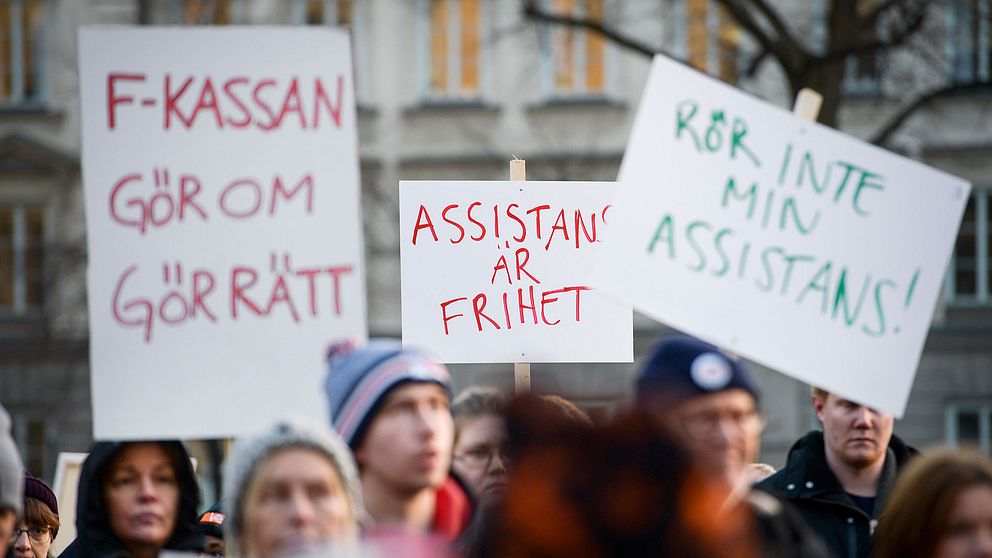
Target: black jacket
x,y
94,537
812,488
782,532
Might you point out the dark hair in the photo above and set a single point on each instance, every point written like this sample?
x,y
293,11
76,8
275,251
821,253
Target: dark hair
x,y
475,402
919,507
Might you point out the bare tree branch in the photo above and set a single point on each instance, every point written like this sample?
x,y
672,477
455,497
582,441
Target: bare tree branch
x,y
532,11
897,120
789,54
912,23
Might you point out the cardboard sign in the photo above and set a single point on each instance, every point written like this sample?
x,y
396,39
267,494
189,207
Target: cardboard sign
x,y
787,242
499,272
221,178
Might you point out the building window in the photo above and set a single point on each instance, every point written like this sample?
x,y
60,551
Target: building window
x,y
575,64
205,12
22,239
709,39
969,424
349,14
453,42
970,40
30,434
970,274
23,36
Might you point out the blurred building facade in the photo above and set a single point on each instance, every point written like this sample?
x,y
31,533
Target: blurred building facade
x,y
453,89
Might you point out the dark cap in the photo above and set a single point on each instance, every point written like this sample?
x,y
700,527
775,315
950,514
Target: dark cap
x,y
679,368
37,489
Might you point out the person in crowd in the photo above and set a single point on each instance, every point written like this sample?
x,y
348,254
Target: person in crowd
x,y
136,499
838,478
391,406
480,442
39,524
939,507
212,527
626,488
11,482
760,471
710,401
291,489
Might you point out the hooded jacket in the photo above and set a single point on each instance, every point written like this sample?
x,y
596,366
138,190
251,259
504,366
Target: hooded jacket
x,y
95,537
811,487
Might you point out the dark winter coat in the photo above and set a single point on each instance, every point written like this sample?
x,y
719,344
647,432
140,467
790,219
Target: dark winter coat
x,y
782,531
95,538
812,488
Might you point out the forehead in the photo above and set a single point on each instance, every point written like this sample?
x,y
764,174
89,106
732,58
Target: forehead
x,y
415,391
297,464
729,400
141,453
485,427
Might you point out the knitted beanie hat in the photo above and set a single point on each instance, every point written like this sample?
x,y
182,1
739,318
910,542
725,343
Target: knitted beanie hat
x,y
37,489
251,452
212,520
11,470
359,378
679,368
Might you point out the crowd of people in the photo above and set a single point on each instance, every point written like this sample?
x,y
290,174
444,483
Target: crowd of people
x,y
405,469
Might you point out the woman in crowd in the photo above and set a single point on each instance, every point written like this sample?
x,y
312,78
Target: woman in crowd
x,y
940,507
289,490
479,455
39,524
136,499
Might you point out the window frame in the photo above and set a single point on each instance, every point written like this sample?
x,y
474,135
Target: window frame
x,y
19,307
984,411
983,50
983,228
40,63
423,37
713,47
547,44
358,30
174,13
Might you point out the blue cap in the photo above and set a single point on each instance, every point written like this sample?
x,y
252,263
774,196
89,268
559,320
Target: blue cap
x,y
679,368
358,379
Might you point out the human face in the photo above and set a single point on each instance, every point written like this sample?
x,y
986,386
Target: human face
x,y
969,526
214,547
723,431
7,517
30,541
141,490
407,447
480,456
296,500
854,435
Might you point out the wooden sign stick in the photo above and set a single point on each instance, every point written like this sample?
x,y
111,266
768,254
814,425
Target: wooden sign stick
x,y
521,370
808,104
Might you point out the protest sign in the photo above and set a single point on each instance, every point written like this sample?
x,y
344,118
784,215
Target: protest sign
x,y
784,241
498,272
220,169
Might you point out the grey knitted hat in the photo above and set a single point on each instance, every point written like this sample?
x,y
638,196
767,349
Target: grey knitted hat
x,y
250,452
11,470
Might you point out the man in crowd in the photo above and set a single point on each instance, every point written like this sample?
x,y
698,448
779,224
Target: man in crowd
x,y
711,401
390,405
838,478
11,482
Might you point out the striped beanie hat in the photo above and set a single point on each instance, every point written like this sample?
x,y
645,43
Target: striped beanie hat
x,y
359,378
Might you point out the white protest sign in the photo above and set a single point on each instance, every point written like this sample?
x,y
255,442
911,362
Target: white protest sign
x,y
220,169
499,272
787,242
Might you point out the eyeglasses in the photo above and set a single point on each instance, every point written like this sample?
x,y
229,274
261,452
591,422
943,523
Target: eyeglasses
x,y
701,426
482,457
36,534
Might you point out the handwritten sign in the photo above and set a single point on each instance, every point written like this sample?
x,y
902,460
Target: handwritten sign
x,y
222,208
498,272
787,242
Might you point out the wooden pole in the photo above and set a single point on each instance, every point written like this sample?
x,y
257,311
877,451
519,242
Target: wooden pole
x,y
521,370
808,104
